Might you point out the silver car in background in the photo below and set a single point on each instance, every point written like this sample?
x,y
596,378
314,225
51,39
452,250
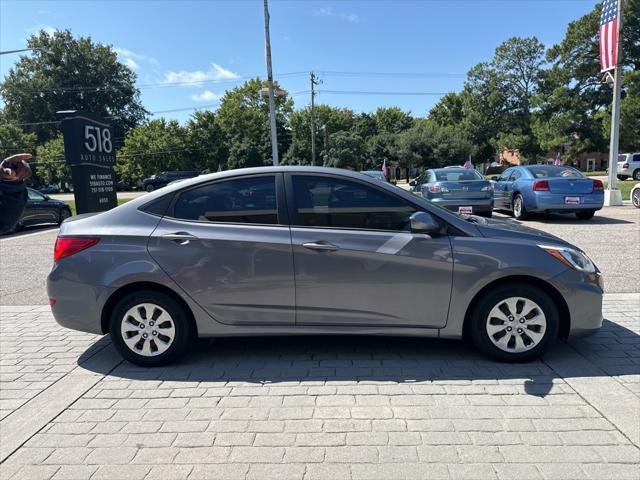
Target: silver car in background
x,y
305,250
462,190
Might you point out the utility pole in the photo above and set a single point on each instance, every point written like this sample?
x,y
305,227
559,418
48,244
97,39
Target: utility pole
x,y
272,99
314,82
612,195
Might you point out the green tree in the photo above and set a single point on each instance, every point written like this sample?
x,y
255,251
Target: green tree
x,y
206,142
345,149
14,140
153,147
392,120
51,167
431,145
70,74
243,117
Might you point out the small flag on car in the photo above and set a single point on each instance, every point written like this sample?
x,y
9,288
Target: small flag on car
x,y
384,167
557,160
468,163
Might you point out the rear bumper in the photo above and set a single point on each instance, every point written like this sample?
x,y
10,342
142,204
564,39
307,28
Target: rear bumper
x,y
555,202
479,205
78,306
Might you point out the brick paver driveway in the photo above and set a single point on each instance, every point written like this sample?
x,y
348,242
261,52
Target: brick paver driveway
x,y
325,408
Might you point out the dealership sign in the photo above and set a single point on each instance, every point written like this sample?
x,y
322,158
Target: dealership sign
x,y
89,150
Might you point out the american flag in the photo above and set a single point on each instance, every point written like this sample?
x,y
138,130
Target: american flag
x,y
468,164
609,35
557,160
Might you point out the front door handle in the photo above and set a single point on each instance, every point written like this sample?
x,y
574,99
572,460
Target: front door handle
x,y
181,238
321,246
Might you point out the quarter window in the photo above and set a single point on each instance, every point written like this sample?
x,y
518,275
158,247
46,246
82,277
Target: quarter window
x,y
245,200
505,175
35,196
335,203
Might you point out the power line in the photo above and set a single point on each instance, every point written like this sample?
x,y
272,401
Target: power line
x,y
362,92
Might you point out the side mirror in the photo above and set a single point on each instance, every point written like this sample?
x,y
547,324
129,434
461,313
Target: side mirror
x,y
413,183
495,178
422,222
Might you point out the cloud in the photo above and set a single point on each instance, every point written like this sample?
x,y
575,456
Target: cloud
x,y
133,59
47,28
206,96
216,72
131,63
329,12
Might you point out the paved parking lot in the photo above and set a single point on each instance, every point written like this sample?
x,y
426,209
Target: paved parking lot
x,y
322,407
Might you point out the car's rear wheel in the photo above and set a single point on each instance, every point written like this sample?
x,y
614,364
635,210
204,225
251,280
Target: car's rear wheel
x,y
636,174
150,328
514,323
64,214
622,177
519,210
585,214
149,188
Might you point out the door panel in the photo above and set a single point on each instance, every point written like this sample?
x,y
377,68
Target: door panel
x,y
390,279
357,263
228,252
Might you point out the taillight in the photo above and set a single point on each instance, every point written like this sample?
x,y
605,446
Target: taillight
x,y
438,189
598,185
541,186
66,246
626,165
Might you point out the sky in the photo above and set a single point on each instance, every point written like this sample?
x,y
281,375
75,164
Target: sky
x,y
368,54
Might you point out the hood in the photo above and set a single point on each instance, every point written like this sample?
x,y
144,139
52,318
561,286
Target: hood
x,y
498,228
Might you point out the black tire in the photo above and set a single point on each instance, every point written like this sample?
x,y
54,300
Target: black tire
x,y
183,328
479,316
585,214
149,188
487,214
519,212
636,174
622,177
64,214
635,197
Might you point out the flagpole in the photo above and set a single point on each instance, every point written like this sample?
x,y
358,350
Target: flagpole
x,y
612,196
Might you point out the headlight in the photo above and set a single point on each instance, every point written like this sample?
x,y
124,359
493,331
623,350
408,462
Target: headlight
x,y
571,257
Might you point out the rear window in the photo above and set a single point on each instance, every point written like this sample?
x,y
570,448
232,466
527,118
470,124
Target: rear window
x,y
554,171
457,175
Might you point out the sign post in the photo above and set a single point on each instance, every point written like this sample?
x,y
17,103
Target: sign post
x,y
89,150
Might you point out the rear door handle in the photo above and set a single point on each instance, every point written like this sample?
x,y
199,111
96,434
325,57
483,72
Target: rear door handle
x,y
181,238
321,246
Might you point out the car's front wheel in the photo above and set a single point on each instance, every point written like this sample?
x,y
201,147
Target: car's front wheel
x,y
150,328
64,214
150,188
514,323
635,197
622,177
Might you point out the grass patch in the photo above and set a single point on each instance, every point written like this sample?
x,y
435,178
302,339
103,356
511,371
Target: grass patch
x,y
624,187
72,204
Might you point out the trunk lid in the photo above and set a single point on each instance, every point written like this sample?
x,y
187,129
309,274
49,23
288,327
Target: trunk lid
x,y
466,189
570,186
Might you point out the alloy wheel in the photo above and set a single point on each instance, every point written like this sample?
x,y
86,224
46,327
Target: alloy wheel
x,y
517,206
148,330
516,324
635,198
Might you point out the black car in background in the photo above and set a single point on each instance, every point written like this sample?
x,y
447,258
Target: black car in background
x,y
43,210
163,178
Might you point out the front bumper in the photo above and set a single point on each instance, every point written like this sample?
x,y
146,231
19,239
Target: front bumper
x,y
583,294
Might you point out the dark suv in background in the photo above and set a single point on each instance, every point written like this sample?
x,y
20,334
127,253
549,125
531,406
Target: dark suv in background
x,y
163,178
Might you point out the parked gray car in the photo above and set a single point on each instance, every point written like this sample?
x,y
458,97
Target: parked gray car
x,y
306,250
462,190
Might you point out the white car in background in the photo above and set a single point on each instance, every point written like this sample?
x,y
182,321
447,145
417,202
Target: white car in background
x,y
629,166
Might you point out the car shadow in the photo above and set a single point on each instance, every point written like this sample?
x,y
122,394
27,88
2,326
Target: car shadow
x,y
561,219
383,360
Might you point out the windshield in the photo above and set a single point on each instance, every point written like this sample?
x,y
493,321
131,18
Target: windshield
x,y
544,171
457,175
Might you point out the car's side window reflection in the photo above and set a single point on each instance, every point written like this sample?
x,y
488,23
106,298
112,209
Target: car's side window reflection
x,y
245,200
331,202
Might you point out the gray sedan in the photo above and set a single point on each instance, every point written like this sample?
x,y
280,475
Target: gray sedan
x,y
305,250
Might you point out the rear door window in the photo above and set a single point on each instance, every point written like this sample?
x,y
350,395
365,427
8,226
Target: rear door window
x,y
245,200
